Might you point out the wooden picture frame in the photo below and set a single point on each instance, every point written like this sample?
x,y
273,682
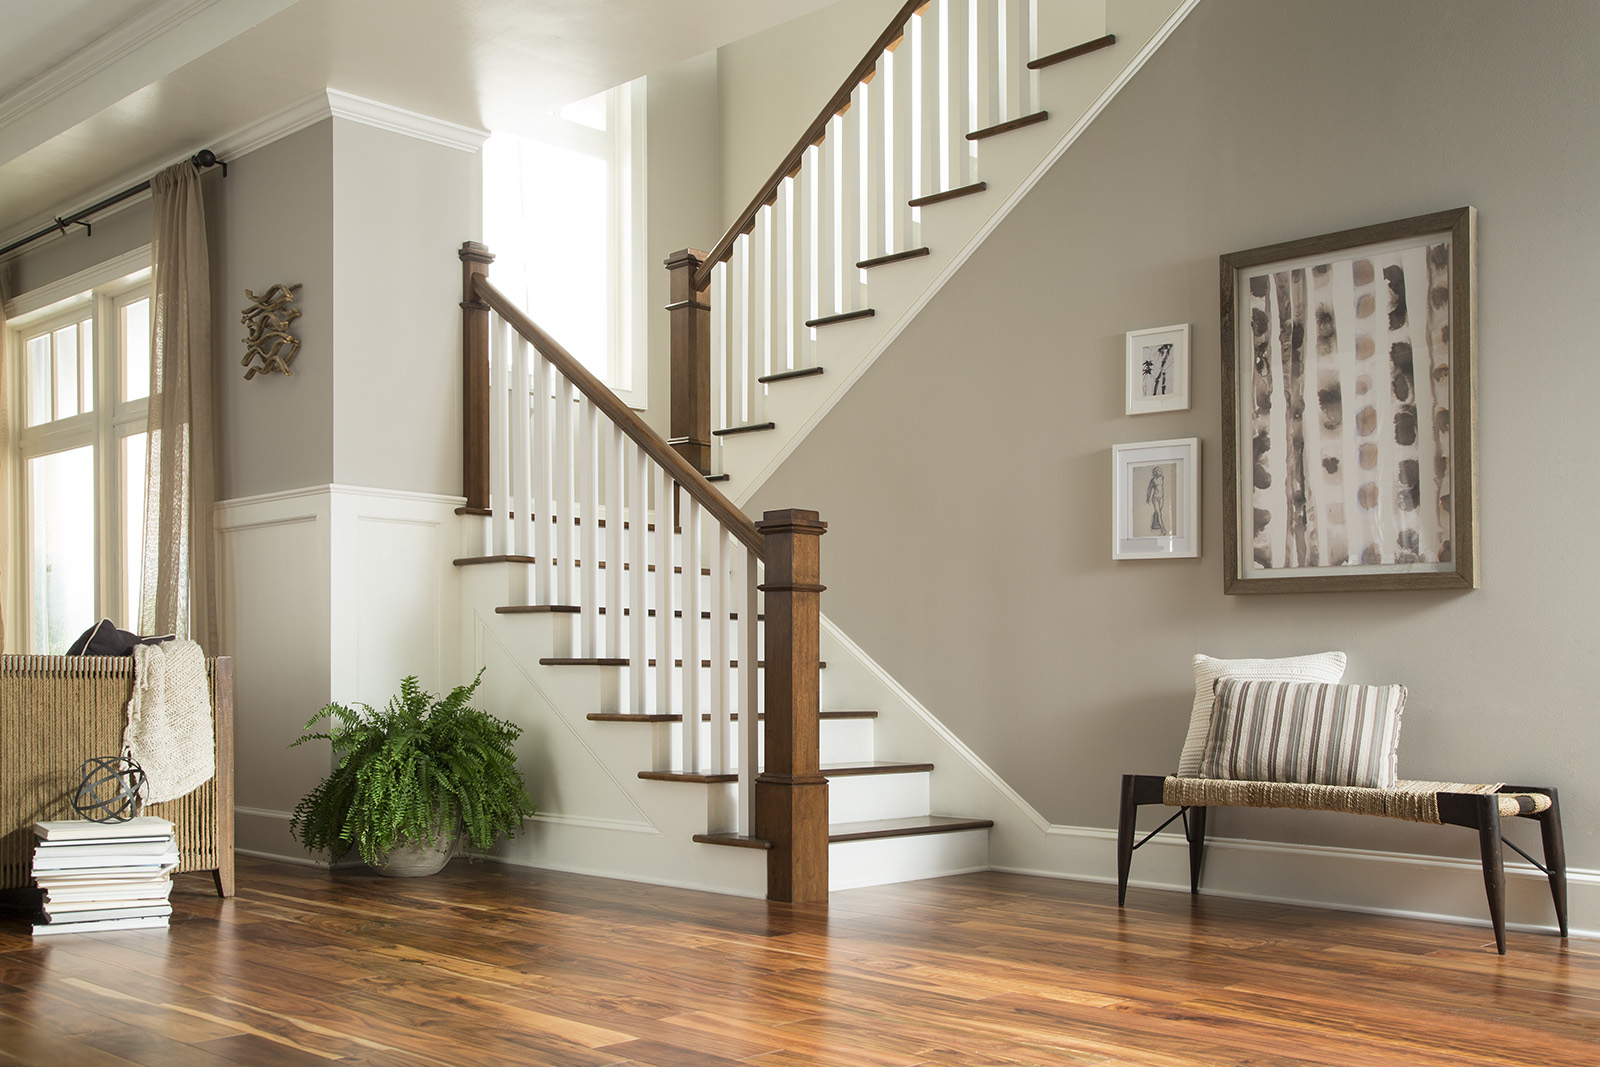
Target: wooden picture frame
x,y
1157,374
1349,410
1155,499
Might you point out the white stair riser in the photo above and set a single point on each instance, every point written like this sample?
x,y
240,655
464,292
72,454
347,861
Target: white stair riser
x,y
864,797
879,861
843,740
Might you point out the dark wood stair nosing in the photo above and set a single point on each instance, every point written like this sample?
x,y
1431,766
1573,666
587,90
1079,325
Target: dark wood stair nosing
x,y
717,477
474,561
789,375
892,257
733,840
910,829
754,427
489,513
1073,53
1009,125
538,609
842,771
948,194
856,770
843,316
761,664
582,661
608,716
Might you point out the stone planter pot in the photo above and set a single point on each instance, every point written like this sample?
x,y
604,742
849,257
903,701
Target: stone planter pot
x,y
416,860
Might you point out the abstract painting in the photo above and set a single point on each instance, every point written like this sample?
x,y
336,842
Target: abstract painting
x,y
1348,364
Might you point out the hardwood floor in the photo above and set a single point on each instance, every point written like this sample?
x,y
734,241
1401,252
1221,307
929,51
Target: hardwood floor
x,y
488,964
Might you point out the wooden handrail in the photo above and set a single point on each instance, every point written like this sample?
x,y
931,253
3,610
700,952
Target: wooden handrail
x,y
814,134
653,444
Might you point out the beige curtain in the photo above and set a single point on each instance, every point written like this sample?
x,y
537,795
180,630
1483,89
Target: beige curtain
x,y
5,470
178,576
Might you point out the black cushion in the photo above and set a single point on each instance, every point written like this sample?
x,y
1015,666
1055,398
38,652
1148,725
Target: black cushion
x,y
104,639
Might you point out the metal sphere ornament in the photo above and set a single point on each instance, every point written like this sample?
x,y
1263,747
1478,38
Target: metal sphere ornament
x,y
109,790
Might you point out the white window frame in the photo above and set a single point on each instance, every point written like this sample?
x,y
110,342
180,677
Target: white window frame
x,y
99,293
623,145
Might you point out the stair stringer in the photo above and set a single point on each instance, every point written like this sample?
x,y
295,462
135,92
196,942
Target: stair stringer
x,y
596,816
1074,93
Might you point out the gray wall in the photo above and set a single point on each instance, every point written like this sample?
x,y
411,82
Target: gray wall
x,y
966,475
271,221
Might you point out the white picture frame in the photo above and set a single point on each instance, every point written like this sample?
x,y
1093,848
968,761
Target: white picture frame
x,y
1157,369
1155,499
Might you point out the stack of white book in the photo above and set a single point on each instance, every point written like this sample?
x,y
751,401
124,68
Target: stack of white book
x,y
104,876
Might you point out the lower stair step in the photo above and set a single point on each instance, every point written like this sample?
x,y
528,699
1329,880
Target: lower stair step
x,y
603,716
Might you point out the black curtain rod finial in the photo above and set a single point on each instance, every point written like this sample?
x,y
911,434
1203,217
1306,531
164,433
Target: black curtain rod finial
x,y
207,158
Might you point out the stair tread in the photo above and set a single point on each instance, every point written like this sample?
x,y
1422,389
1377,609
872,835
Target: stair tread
x,y
910,827
1073,53
1007,126
604,716
474,561
538,609
843,316
577,521
754,427
760,663
892,257
612,661
789,375
840,770
947,194
736,840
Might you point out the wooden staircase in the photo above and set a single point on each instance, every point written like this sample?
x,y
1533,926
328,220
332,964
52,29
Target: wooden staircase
x,y
951,116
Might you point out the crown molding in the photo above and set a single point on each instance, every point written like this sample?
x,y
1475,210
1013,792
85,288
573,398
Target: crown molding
x,y
409,123
104,51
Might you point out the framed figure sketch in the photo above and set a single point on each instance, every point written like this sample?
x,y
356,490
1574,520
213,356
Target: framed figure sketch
x,y
1158,370
1349,411
1155,499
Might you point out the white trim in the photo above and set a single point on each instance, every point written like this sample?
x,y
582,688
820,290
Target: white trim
x,y
40,299
298,861
95,57
262,813
305,112
613,876
410,123
746,491
336,488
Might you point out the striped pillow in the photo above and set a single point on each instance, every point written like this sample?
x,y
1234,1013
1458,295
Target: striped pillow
x,y
1308,733
1320,667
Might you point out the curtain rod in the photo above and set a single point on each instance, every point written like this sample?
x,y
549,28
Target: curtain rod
x,y
202,159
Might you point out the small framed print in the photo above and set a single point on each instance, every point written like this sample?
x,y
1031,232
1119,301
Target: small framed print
x,y
1158,370
1155,497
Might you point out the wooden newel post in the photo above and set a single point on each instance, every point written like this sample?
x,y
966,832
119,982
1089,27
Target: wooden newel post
x,y
690,425
791,793
475,260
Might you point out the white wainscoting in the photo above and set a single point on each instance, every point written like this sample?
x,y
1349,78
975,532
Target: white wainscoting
x,y
329,592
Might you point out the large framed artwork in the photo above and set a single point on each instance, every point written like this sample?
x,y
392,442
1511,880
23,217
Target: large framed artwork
x,y
1349,410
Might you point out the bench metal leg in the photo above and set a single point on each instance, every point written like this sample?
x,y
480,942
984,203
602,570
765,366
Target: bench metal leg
x,y
1555,858
1137,789
1494,872
1195,829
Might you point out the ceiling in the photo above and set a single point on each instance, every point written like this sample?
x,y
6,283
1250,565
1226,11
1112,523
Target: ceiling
x,y
96,94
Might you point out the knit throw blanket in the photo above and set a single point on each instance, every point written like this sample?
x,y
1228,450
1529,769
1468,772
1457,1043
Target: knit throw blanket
x,y
169,720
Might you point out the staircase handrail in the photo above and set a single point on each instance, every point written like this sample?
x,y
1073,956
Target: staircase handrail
x,y
814,134
652,443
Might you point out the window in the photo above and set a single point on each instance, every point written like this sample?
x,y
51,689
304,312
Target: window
x,y
563,213
83,383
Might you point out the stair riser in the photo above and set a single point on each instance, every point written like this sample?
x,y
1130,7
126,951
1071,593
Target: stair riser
x,y
865,797
843,740
880,861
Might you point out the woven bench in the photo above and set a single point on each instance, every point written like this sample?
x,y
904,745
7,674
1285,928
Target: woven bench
x,y
1480,807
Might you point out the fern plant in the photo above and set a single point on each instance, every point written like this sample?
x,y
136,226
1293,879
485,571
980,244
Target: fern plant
x,y
408,773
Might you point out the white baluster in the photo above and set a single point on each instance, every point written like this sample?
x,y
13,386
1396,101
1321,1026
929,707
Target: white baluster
x,y
499,468
932,175
614,475
804,279
957,93
739,299
638,574
541,452
851,249
561,512
718,757
749,696
902,146
875,94
985,65
1017,36
521,451
689,548
717,290
828,272
760,315
780,306
589,532
665,489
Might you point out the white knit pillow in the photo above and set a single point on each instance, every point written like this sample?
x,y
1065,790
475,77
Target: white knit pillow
x,y
1320,667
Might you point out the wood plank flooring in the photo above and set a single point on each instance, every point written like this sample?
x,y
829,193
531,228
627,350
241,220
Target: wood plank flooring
x,y
488,965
